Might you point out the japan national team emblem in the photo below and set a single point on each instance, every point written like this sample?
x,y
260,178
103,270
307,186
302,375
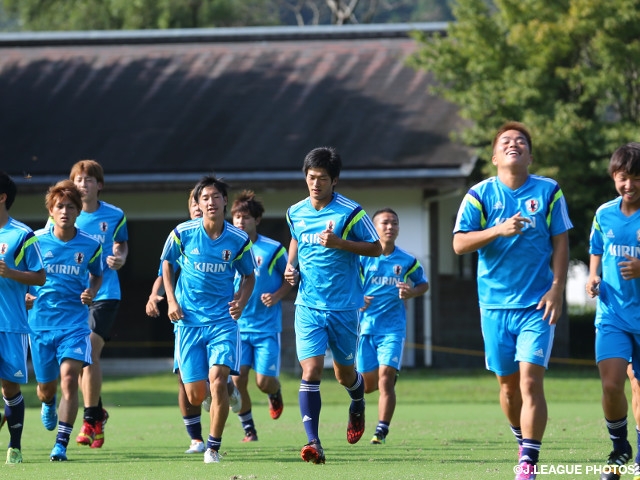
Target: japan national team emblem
x,y
330,225
226,255
397,269
79,257
259,260
532,206
3,248
104,226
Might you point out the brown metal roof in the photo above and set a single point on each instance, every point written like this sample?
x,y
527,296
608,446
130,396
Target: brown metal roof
x,y
159,111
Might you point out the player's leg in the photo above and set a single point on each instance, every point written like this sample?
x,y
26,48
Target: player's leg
x,y
191,417
389,356
635,408
343,340
267,366
102,316
613,350
13,372
68,408
242,384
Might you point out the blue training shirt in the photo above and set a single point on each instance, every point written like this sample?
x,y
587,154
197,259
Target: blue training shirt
x,y
68,265
386,313
107,224
205,285
515,272
614,235
329,277
20,250
271,262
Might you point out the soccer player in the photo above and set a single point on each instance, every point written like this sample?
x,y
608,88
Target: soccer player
x,y
328,232
108,224
389,281
60,334
20,266
209,251
518,223
261,321
190,413
614,277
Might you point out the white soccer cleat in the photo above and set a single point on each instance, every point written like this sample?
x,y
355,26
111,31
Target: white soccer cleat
x,y
235,400
211,456
196,447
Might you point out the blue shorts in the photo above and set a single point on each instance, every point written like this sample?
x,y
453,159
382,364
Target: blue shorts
x,y
317,329
611,342
13,357
261,351
200,348
515,335
376,350
50,348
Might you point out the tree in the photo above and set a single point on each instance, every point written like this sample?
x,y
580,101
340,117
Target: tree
x,y
568,69
140,14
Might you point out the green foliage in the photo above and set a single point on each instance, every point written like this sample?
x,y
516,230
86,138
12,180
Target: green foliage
x,y
140,14
568,69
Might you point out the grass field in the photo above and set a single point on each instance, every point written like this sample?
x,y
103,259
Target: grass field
x,y
447,425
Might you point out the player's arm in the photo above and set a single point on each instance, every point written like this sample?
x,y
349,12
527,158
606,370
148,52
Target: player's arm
x,y
593,282
95,282
25,277
174,310
552,300
467,242
119,257
155,297
291,273
366,249
242,296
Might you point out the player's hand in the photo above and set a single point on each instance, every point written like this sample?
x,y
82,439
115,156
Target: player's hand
x,y
175,312
513,226
87,296
593,286
235,309
115,262
404,290
552,304
152,306
329,239
268,300
292,275
367,302
28,300
630,268
4,269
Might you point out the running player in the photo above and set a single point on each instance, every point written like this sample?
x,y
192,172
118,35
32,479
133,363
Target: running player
x,y
389,281
328,232
518,223
20,266
261,321
60,334
108,224
209,251
614,277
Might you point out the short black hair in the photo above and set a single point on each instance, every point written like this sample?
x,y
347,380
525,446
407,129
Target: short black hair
x,y
323,157
385,210
626,159
8,186
210,181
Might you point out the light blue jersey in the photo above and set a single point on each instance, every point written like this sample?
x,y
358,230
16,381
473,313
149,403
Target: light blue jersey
x,y
515,272
205,285
329,277
380,275
614,235
107,224
20,250
68,265
271,262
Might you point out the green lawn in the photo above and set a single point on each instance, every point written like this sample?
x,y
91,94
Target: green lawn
x,y
447,425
